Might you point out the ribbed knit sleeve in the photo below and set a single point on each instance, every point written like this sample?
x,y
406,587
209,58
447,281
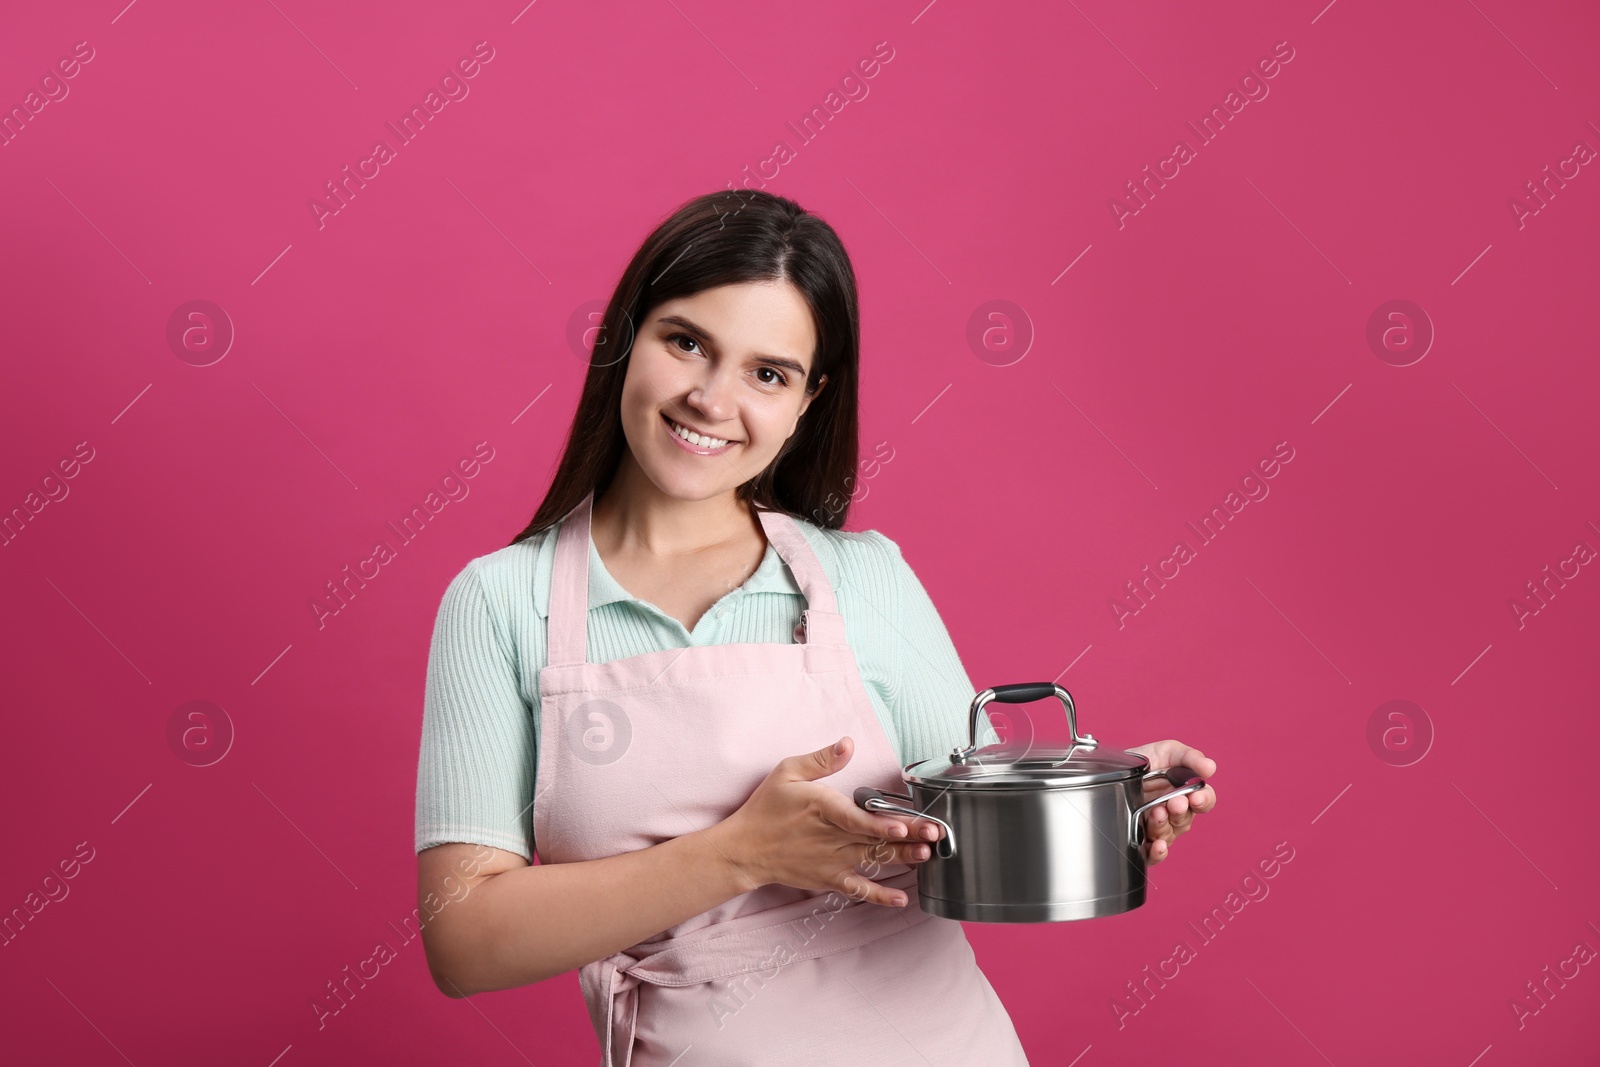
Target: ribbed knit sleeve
x,y
929,692
475,771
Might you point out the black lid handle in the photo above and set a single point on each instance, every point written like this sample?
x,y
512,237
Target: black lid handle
x,y
1022,692
1019,693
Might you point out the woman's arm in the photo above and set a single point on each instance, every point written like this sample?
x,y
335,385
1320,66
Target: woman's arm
x,y
503,922
506,923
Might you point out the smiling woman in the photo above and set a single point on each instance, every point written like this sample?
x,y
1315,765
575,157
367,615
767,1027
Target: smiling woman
x,y
672,682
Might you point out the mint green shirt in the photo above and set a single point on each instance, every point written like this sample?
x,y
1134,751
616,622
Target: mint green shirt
x,y
480,722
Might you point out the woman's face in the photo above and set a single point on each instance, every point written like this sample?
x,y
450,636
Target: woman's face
x,y
729,364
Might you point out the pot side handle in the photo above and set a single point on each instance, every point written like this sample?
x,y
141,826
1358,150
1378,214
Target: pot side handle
x,y
877,800
1186,779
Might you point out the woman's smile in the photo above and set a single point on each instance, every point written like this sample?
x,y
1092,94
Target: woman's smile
x,y
677,431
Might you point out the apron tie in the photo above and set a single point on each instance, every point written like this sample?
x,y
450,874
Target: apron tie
x,y
613,983
733,947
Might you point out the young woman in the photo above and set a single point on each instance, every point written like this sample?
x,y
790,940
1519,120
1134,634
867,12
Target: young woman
x,y
672,681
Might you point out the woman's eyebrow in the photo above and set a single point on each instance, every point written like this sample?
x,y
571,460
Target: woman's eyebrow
x,y
704,336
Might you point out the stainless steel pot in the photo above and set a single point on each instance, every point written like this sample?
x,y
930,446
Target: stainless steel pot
x,y
1031,834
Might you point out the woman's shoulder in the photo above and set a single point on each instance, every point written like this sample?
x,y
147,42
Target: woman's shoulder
x,y
847,541
861,558
506,575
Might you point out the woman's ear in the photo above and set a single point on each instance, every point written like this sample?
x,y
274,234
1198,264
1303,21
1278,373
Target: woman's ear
x,y
806,402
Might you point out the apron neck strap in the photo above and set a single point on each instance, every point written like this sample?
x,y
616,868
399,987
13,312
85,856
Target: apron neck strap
x,y
568,627
793,548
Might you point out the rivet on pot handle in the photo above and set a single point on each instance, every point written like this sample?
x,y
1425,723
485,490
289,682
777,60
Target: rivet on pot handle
x,y
877,800
1020,693
1186,779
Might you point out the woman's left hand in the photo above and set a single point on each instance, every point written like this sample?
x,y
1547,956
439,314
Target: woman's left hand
x,y
1164,822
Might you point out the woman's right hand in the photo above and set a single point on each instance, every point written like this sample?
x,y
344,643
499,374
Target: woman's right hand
x,y
798,832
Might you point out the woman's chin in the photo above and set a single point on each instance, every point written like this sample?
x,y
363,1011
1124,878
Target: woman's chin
x,y
688,487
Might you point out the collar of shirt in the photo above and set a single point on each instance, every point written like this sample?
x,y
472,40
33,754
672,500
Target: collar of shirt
x,y
771,575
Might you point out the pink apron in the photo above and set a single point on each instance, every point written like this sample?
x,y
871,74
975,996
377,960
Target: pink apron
x,y
644,749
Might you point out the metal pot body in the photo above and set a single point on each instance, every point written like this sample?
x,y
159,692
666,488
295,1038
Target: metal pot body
x,y
1035,855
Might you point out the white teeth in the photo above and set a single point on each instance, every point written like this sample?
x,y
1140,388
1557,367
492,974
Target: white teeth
x,y
693,438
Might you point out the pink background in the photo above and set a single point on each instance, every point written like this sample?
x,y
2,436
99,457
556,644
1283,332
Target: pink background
x,y
1227,315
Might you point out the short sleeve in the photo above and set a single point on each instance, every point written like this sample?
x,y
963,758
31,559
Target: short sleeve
x,y
930,693
476,766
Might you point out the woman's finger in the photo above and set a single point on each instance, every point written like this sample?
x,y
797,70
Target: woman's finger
x,y
924,829
847,815
1159,824
1188,756
1200,802
858,887
883,853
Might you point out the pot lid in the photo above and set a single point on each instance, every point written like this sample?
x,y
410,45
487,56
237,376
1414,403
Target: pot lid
x,y
1031,764
1009,765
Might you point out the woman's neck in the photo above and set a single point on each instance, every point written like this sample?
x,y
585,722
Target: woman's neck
x,y
635,516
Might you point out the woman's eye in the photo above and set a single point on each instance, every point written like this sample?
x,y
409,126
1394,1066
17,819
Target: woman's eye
x,y
779,378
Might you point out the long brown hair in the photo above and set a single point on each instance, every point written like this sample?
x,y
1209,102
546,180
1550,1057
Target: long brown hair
x,y
727,238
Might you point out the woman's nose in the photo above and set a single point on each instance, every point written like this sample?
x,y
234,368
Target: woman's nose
x,y
713,398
